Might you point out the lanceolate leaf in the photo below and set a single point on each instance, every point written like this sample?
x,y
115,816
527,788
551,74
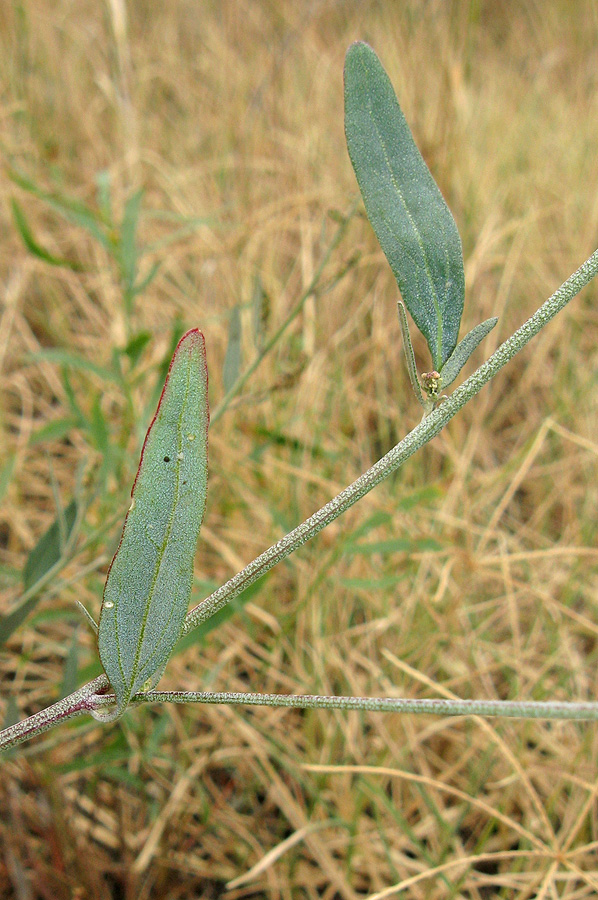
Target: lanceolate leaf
x,y
463,351
412,222
149,582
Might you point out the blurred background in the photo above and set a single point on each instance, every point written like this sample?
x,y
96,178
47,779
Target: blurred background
x,y
182,164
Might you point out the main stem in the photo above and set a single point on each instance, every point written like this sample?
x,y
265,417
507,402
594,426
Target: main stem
x,y
514,709
428,428
84,700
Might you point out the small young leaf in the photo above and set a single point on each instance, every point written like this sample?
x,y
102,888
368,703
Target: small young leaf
x,y
232,360
412,222
149,581
463,351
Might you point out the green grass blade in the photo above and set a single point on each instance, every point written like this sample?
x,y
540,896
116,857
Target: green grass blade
x,y
412,222
128,239
232,361
50,546
13,620
32,244
70,209
65,358
149,582
42,558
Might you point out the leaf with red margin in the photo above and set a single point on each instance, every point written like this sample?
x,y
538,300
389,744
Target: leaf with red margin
x,y
149,581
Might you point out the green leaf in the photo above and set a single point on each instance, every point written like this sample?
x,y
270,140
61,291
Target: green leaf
x,y
76,362
232,360
54,430
47,553
412,222
70,209
33,246
149,581
463,351
137,345
12,620
50,546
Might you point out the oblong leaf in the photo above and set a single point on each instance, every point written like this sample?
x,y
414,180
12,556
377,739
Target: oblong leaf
x,y
412,222
149,581
463,351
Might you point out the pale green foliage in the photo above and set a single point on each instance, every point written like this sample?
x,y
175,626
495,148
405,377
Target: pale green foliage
x,y
463,351
149,582
412,222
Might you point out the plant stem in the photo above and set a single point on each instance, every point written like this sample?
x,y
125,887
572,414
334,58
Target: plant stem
x,y
428,428
508,708
74,705
89,697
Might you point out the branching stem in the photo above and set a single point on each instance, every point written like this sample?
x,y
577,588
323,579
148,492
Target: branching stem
x,y
92,695
428,428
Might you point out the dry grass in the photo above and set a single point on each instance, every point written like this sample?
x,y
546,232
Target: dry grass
x,y
233,111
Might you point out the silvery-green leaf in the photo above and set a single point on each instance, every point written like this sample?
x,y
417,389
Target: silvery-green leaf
x,y
463,351
412,222
149,582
